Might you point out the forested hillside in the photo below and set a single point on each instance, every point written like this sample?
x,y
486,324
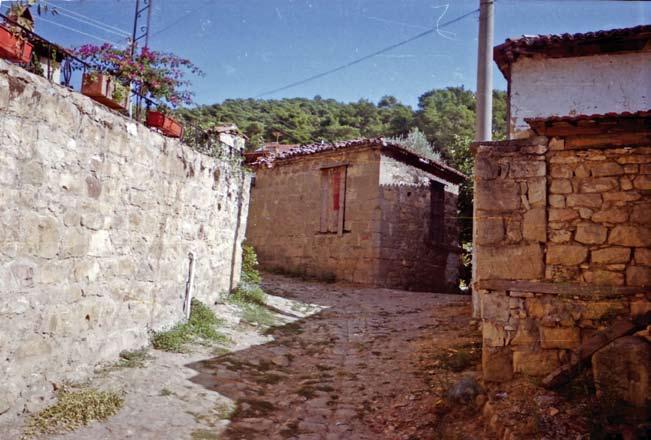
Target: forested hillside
x,y
445,116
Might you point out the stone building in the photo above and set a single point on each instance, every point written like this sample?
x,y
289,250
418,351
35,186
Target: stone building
x,y
365,211
563,208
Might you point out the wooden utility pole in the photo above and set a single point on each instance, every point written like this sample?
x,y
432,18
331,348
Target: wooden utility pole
x,y
485,72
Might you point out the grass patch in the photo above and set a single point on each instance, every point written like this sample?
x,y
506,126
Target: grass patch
x,y
133,359
201,328
203,434
73,410
224,410
166,392
251,299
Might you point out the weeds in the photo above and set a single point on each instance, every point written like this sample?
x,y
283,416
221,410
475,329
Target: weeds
x,y
73,410
201,327
133,359
248,295
460,358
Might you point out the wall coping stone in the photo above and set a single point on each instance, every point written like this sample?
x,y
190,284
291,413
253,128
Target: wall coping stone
x,y
562,289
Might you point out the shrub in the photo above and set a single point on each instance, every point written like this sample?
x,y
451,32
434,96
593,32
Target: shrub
x,y
250,272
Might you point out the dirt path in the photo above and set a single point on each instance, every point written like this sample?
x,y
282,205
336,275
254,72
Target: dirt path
x,y
373,365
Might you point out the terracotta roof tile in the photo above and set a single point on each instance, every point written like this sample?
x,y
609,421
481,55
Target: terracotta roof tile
x,y
571,45
309,149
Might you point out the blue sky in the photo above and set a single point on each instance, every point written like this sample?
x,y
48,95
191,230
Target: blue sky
x,y
247,47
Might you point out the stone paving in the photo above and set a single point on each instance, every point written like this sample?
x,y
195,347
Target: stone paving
x,y
362,368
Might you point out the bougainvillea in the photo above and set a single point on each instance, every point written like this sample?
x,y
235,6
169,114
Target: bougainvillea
x,y
159,75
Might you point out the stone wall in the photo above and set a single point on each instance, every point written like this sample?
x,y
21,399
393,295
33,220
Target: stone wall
x,y
97,217
284,220
410,258
562,244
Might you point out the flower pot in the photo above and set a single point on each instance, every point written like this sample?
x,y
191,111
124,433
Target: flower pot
x,y
105,89
13,47
168,126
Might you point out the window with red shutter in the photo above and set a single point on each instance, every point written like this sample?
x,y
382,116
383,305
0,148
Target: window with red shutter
x,y
333,199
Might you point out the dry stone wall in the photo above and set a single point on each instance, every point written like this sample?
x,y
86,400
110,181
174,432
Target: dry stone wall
x,y
97,217
284,224
562,243
410,256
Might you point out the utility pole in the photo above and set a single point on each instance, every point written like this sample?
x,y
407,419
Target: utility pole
x,y
144,33
485,72
483,126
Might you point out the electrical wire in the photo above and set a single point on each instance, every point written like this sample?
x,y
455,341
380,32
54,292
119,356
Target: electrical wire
x,y
89,23
98,22
366,57
175,22
78,31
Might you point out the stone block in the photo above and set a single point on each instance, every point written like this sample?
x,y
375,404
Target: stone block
x,y
490,230
641,214
497,364
561,171
512,262
497,195
590,233
615,215
535,363
599,184
633,236
584,200
600,169
514,230
581,171
100,244
537,191
561,186
638,276
557,201
603,277
566,255
31,173
560,337
642,181
643,256
556,144
640,308
528,168
602,310
74,243
622,370
493,334
527,333
620,198
486,167
534,226
494,306
559,236
611,255
562,215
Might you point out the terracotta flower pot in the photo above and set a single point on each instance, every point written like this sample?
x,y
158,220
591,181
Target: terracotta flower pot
x,y
102,88
14,48
168,126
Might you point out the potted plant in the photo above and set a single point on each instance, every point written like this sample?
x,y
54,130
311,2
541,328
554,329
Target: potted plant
x,y
156,76
14,45
106,89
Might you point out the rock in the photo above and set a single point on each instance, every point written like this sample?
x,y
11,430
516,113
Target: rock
x,y
561,171
610,216
562,215
535,363
465,391
643,256
611,255
584,200
638,276
534,226
561,186
560,337
568,255
490,230
557,201
497,262
497,195
642,181
604,277
622,370
590,233
599,185
634,236
640,214
601,169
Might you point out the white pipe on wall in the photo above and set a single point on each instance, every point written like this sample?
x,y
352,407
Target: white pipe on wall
x,y
189,285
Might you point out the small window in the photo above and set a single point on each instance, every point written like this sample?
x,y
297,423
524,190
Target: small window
x,y
333,199
437,213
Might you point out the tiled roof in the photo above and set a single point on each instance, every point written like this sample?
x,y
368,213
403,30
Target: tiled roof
x,y
632,122
593,117
571,45
310,149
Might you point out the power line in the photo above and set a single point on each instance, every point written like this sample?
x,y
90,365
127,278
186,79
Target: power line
x,y
81,20
78,31
366,57
97,22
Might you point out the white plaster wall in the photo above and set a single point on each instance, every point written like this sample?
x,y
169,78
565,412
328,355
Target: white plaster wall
x,y
542,87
